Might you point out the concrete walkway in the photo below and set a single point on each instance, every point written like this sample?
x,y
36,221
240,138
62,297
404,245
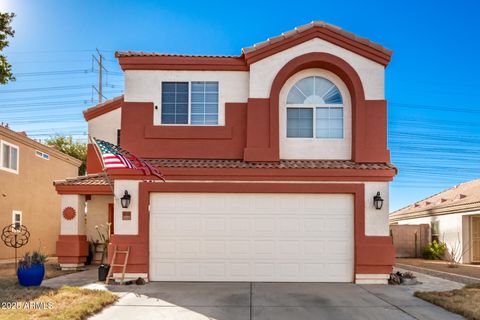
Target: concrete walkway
x,y
77,279
264,301
276,301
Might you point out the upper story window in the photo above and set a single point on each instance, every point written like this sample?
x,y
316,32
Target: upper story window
x,y
17,218
9,157
200,107
315,110
42,155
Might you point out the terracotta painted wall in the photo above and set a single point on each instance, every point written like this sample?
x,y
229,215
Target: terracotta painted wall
x,y
142,138
32,192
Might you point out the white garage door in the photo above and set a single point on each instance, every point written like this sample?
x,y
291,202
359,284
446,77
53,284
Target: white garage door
x,y
251,237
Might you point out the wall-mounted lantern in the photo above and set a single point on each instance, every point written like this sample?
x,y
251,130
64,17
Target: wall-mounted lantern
x,y
125,200
378,201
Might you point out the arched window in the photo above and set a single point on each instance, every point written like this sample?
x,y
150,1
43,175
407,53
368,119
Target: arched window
x,y
315,109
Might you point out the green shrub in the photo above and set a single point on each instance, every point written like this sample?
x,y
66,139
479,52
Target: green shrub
x,y
434,250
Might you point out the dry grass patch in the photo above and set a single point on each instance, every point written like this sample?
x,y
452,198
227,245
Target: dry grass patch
x,y
46,303
17,302
465,301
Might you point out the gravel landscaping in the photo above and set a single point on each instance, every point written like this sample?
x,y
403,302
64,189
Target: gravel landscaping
x,y
467,274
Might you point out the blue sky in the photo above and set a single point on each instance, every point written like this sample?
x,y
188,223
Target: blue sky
x,y
431,83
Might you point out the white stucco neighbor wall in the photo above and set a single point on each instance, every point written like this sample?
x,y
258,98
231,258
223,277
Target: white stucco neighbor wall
x,y
453,229
129,227
76,226
264,71
105,127
314,148
376,221
146,86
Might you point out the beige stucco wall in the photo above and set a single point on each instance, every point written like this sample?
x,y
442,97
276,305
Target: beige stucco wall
x,y
31,191
97,214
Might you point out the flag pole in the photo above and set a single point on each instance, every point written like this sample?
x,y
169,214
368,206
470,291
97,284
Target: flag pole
x,y
109,181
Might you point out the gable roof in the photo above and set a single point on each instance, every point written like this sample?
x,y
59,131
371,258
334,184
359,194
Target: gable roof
x,y
322,30
460,198
139,60
103,108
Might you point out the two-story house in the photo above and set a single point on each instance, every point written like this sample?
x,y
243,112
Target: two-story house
x,y
27,197
272,160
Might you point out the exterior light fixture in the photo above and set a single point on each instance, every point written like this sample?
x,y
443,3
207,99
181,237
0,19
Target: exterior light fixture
x,y
125,200
378,201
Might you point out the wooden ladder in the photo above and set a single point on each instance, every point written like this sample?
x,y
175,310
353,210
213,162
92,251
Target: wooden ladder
x,y
114,264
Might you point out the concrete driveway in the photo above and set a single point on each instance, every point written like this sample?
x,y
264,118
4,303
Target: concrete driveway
x,y
276,301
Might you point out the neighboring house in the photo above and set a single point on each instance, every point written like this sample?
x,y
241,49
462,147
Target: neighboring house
x,y
272,160
453,216
27,197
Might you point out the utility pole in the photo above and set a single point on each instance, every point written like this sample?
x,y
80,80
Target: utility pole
x,y
99,61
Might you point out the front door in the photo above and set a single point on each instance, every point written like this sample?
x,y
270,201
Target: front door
x,y
475,239
110,218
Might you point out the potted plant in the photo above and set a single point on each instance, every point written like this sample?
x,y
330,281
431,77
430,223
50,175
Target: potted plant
x,y
31,269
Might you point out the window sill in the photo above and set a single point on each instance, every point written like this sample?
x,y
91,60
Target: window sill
x,y
9,170
187,132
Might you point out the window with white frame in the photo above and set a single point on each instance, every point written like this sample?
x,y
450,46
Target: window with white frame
x,y
315,110
42,155
17,218
9,155
193,103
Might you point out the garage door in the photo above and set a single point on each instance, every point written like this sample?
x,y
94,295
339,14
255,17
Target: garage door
x,y
251,237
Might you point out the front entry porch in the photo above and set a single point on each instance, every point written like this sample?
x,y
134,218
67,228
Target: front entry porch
x,y
86,220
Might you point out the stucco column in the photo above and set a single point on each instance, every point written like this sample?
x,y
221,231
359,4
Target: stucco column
x,y
127,223
72,245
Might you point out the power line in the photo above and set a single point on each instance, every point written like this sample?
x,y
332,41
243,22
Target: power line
x,y
71,87
52,73
462,109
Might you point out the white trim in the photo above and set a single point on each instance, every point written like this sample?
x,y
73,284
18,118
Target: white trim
x,y
131,276
381,278
314,106
11,145
471,239
315,148
189,119
14,214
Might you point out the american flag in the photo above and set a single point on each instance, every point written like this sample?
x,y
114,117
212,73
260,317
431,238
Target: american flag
x,y
114,157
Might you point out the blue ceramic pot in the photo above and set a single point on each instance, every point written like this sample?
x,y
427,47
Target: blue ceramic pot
x,y
32,276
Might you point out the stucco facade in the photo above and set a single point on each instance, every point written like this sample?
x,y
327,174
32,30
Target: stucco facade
x,y
29,191
249,158
453,217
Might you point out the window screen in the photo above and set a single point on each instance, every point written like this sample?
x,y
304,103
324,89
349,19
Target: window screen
x,y
300,122
329,123
175,102
204,100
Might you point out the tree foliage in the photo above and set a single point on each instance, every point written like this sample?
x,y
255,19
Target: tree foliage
x,y
75,149
6,31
